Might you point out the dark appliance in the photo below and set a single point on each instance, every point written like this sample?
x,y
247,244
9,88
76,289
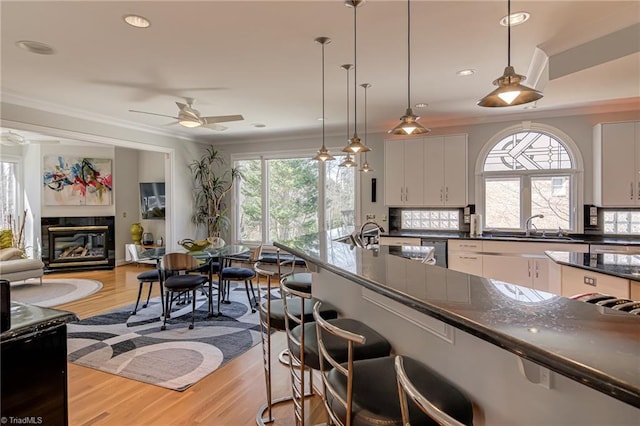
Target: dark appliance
x,y
439,249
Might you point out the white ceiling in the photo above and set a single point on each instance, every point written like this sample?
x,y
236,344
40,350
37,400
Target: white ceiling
x,y
258,58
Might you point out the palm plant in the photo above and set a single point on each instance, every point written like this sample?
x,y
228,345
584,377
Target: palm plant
x,y
209,192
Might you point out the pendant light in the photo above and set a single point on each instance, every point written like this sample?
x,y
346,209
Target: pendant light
x,y
510,92
408,122
348,161
323,153
355,145
365,165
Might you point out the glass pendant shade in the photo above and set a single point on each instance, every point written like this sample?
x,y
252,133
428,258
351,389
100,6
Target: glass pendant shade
x,y
365,167
356,146
510,92
323,155
409,125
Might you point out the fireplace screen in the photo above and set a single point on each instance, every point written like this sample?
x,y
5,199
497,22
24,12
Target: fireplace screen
x,y
76,245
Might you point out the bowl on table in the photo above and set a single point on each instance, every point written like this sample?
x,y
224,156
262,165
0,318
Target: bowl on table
x,y
194,245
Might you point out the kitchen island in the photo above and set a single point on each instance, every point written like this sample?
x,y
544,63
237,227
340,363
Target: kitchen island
x,y
524,356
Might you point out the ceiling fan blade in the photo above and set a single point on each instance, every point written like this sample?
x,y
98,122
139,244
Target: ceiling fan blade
x,y
221,119
153,113
181,105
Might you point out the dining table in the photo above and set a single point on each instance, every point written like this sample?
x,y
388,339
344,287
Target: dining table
x,y
207,256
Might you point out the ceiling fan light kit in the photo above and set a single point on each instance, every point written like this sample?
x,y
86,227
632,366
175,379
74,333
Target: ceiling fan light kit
x,y
510,92
409,121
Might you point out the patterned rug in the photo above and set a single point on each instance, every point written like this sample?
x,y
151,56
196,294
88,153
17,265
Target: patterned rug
x,y
133,346
53,291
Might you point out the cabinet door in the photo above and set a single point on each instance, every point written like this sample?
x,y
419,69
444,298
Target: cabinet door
x,y
619,181
434,171
413,168
455,170
393,172
510,269
542,279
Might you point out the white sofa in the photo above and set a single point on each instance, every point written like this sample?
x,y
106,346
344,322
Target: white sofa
x,y
13,267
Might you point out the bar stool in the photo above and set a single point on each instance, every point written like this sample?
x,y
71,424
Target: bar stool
x,y
431,394
365,392
272,318
302,342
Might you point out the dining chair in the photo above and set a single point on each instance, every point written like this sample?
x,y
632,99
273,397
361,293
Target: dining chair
x,y
150,276
181,276
229,272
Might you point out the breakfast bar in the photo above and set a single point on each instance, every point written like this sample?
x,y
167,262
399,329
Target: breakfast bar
x,y
524,356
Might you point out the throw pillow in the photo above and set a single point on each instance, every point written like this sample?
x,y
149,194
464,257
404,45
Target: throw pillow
x,y
6,238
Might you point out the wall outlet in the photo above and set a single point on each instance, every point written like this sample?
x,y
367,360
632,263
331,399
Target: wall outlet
x,y
370,216
590,281
384,218
593,220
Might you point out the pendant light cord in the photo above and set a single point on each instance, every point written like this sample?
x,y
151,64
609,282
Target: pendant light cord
x,y
509,33
348,129
408,53
355,72
323,117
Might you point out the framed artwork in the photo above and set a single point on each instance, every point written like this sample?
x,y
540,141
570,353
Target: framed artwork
x,y
76,181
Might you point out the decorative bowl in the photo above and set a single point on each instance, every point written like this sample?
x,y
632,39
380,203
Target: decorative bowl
x,y
194,245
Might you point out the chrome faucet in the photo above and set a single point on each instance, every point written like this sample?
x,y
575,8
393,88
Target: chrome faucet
x,y
375,226
528,224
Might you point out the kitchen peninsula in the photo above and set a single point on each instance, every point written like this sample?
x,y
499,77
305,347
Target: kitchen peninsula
x,y
524,356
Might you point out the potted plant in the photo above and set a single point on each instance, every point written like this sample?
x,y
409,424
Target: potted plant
x,y
211,186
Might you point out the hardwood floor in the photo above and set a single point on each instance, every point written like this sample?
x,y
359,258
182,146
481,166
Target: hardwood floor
x,y
230,396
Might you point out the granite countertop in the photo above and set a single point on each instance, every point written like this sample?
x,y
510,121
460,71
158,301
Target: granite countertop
x,y
615,264
501,236
596,346
27,319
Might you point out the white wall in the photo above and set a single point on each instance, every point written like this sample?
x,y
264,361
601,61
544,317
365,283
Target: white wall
x,y
125,186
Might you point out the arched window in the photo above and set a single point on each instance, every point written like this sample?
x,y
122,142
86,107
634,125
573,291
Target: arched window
x,y
527,173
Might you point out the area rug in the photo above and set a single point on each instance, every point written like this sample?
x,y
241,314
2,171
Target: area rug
x,y
53,291
133,346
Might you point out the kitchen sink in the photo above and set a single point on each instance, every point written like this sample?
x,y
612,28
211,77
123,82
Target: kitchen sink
x,y
537,237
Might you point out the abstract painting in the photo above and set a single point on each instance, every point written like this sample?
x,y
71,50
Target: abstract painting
x,y
76,181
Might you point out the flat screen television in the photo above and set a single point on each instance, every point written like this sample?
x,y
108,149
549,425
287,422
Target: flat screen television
x,y
152,200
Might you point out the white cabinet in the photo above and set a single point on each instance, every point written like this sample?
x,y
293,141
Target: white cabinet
x,y
465,256
404,172
445,164
616,167
578,281
529,271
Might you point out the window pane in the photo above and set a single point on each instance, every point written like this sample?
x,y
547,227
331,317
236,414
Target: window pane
x,y
550,197
250,200
502,203
622,222
528,151
431,219
339,194
293,198
8,193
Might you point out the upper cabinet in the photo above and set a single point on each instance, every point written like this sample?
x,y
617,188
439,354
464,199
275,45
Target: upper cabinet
x,y
616,164
426,172
404,172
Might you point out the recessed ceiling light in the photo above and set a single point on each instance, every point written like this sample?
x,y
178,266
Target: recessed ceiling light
x,y
259,125
422,105
137,21
466,72
35,47
517,18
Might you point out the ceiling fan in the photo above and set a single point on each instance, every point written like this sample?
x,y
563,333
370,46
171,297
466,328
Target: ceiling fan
x,y
13,139
190,117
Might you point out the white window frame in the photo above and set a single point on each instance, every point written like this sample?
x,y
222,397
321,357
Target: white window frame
x,y
20,182
576,174
283,155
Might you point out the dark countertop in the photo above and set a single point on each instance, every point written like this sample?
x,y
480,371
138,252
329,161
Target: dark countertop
x,y
616,264
595,346
27,319
500,236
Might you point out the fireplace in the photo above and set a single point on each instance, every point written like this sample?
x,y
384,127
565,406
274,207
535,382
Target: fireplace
x,y
78,243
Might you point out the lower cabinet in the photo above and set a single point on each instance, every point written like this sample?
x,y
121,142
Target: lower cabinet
x,y
578,281
527,271
399,241
470,263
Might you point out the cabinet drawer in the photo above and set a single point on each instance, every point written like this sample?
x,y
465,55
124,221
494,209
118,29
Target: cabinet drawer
x,y
465,262
465,245
573,282
399,241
